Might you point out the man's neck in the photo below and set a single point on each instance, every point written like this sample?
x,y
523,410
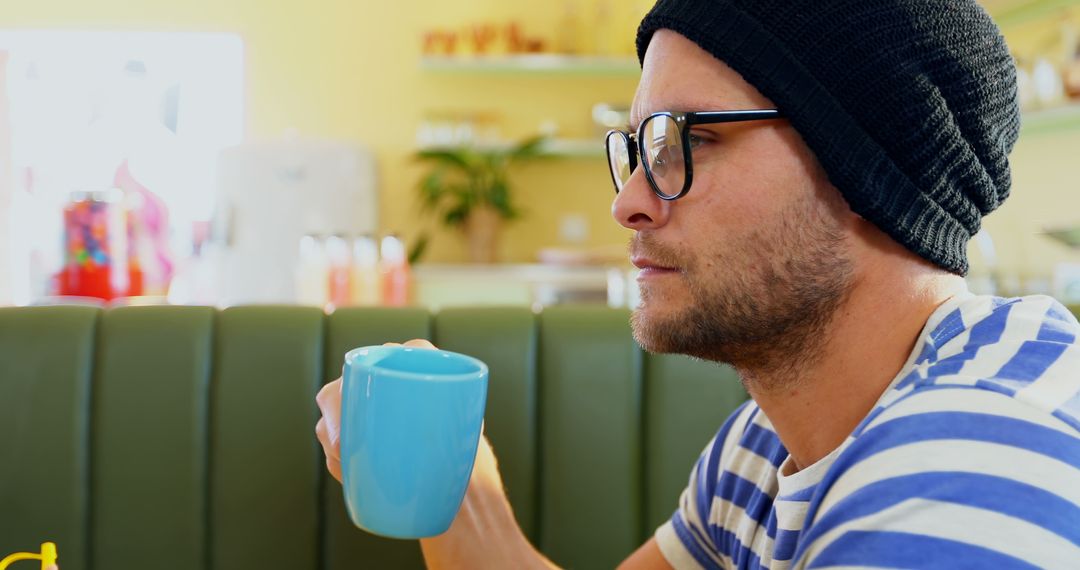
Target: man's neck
x,y
867,343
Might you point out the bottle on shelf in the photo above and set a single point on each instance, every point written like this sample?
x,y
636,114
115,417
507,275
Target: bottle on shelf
x,y
568,35
1070,46
312,272
339,261
366,281
394,268
603,29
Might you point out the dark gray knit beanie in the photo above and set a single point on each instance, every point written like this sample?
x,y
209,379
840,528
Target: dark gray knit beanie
x,y
909,105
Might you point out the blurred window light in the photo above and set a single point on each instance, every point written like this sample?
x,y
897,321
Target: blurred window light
x,y
91,110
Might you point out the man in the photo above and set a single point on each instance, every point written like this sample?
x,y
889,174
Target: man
x,y
817,243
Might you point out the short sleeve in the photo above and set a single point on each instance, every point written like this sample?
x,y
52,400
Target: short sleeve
x,y
685,540
685,547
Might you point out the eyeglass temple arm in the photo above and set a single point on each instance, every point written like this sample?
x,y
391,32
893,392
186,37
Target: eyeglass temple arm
x,y
713,117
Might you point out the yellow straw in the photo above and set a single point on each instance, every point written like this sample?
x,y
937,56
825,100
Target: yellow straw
x,y
47,556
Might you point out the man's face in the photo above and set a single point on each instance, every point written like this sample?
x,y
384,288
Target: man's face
x,y
750,265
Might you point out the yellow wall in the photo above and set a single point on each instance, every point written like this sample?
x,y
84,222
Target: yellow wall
x,y
348,69
1045,194
1046,174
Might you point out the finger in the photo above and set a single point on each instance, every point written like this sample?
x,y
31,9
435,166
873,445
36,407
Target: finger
x,y
329,401
420,343
334,467
330,444
391,344
329,392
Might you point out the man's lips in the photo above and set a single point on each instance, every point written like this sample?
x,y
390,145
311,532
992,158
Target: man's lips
x,y
649,267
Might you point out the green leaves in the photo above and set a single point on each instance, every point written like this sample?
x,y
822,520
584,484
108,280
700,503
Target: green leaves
x,y
466,177
529,147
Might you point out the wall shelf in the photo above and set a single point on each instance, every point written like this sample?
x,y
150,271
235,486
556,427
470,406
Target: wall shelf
x,y
1008,13
554,148
574,148
538,64
1066,117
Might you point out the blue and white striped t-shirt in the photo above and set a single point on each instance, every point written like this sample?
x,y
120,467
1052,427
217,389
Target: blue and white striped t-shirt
x,y
970,459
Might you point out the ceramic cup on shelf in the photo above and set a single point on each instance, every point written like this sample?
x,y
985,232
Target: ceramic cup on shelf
x,y
410,426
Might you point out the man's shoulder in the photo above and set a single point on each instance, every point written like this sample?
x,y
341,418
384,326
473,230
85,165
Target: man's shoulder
x,y
951,412
988,414
1027,349
981,320
966,420
979,440
954,463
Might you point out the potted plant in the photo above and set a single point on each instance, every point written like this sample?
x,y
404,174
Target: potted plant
x,y
468,188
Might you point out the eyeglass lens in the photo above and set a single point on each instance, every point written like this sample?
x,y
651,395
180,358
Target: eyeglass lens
x,y
663,151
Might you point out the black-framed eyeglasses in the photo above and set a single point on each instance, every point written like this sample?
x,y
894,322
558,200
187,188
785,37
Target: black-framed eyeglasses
x,y
661,142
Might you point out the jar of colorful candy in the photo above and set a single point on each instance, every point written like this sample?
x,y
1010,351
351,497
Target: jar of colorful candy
x,y
95,247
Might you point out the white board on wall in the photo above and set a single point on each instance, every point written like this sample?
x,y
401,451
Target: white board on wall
x,y
6,186
273,193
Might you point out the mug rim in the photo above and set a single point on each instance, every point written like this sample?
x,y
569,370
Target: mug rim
x,y
480,372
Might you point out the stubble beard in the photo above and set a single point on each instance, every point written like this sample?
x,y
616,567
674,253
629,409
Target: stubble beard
x,y
763,305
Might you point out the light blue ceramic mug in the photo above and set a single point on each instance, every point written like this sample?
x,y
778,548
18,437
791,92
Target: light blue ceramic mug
x,y
410,425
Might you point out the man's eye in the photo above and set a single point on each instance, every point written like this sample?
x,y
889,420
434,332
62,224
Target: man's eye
x,y
696,141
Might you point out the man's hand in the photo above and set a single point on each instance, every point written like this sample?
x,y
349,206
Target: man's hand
x,y
484,534
328,429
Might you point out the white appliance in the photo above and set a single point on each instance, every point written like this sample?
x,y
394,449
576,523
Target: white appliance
x,y
273,193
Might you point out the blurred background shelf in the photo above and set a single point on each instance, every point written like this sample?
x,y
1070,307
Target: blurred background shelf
x,y
574,148
444,285
553,148
1016,12
1066,117
539,64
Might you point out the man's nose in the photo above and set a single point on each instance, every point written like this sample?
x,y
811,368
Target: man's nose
x,y
637,207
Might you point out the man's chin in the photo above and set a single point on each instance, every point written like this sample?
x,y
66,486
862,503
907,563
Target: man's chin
x,y
663,329
653,328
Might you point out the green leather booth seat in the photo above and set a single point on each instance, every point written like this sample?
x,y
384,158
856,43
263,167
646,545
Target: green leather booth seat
x,y
183,437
